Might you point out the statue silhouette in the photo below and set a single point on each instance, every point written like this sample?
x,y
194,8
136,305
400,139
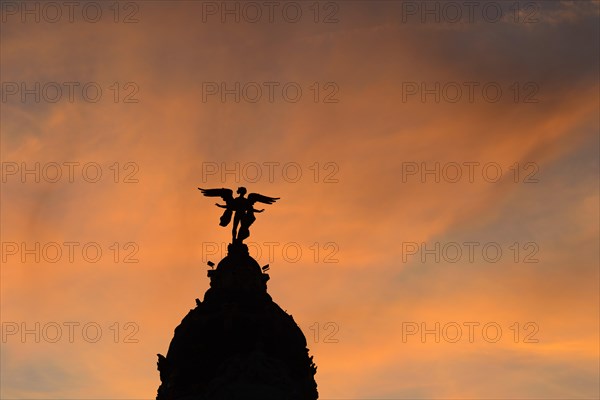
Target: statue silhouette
x,y
241,208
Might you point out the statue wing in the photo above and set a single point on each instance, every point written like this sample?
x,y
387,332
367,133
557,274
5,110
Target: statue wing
x,y
225,194
254,197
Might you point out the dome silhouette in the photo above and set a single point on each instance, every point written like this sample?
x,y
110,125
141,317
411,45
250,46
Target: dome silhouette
x,y
237,343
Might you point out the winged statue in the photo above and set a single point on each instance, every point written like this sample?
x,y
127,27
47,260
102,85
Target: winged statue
x,y
240,207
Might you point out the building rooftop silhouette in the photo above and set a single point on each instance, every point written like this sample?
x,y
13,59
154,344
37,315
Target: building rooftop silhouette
x,y
237,343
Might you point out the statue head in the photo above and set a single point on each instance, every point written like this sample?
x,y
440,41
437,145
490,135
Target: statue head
x,y
241,190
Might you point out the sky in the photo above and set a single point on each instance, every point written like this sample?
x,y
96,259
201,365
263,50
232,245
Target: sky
x,y
437,164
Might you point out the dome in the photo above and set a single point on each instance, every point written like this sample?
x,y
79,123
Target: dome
x,y
237,343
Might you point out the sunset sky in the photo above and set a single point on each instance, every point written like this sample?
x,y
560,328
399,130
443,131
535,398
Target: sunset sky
x,y
437,166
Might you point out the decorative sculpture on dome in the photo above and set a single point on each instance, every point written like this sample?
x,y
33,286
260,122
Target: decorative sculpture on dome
x,y
241,208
